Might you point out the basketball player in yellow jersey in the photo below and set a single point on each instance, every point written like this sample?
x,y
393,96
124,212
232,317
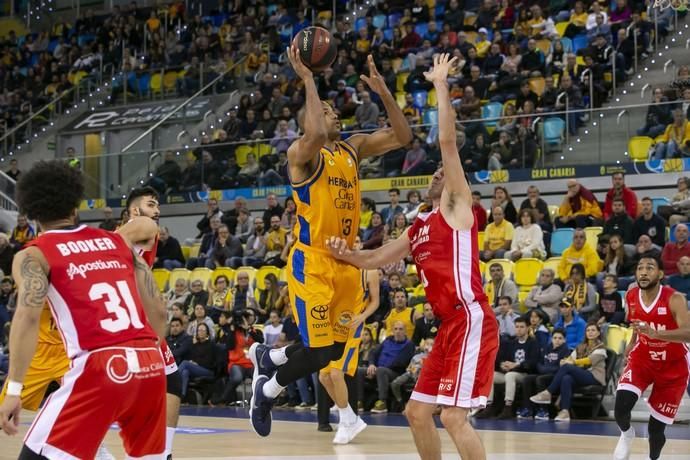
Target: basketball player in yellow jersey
x,y
324,292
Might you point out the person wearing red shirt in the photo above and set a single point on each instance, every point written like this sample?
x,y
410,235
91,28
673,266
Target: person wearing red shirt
x,y
479,211
672,252
620,190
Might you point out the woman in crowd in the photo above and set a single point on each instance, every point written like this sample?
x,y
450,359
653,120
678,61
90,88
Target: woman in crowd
x,y
528,238
200,317
219,293
202,358
268,296
399,226
373,235
658,115
617,263
582,294
179,294
503,199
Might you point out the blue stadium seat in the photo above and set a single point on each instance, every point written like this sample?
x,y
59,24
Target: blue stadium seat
x,y
419,98
553,130
660,201
580,42
271,8
561,239
52,45
388,34
219,19
567,44
360,23
439,11
492,110
394,19
421,29
672,233
379,21
85,39
430,117
144,84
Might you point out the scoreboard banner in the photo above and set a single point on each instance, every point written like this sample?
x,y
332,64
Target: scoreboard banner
x,y
422,182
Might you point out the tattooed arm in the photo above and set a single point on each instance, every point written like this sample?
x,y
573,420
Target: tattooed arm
x,y
154,306
30,272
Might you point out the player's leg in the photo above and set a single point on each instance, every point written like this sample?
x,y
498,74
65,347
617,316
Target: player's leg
x,y
464,437
657,438
420,416
633,381
173,398
667,392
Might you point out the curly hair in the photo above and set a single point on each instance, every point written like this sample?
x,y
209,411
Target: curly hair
x,y
50,191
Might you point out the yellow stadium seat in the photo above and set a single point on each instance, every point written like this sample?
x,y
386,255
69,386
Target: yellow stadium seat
x,y
179,273
201,274
616,338
480,240
545,46
628,335
419,308
263,272
185,251
411,269
251,271
400,99
241,153
396,64
580,61
194,250
638,147
283,275
260,150
527,271
169,80
161,276
348,122
553,211
228,272
537,84
482,267
400,80
552,263
419,291
560,27
508,267
522,295
592,234
469,21
431,99
156,84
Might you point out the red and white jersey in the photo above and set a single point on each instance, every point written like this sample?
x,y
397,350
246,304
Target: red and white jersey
x,y
448,265
149,255
659,317
93,292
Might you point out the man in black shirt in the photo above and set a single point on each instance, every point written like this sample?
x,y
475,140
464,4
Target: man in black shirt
x,y
169,253
179,342
536,203
273,209
425,327
620,222
650,224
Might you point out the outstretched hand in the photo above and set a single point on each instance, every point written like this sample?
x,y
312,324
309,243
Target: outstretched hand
x,y
442,65
298,66
338,247
374,81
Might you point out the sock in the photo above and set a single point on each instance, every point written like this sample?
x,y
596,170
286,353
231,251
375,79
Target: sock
x,y
169,436
347,415
278,356
629,433
509,403
272,388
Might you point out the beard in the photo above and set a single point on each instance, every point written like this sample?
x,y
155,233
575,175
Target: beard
x,y
650,285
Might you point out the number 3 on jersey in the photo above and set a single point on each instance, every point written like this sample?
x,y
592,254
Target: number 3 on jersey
x,y
347,226
114,296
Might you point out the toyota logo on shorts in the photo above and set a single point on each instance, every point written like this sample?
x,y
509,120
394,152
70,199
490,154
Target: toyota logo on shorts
x,y
320,312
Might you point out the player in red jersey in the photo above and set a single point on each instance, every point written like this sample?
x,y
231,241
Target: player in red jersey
x,y
458,373
660,317
144,202
110,315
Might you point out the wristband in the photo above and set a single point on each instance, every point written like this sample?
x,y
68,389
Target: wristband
x,y
14,388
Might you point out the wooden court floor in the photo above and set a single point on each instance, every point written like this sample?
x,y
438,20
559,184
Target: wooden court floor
x,y
225,434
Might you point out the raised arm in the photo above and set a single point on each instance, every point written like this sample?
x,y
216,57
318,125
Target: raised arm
x,y
370,258
153,303
456,198
30,272
387,139
679,310
303,153
140,230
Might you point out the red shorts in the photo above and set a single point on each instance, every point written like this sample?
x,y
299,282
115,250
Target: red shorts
x,y
670,380
124,385
460,368
168,358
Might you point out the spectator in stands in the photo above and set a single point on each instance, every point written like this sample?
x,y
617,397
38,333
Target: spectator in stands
x,y
6,254
207,242
478,210
503,199
414,204
585,366
498,236
212,209
283,136
649,223
574,99
413,369
401,312
528,239
268,296
224,248
198,296
245,225
255,249
275,242
219,295
679,209
644,246
273,208
108,223
539,207
14,171
578,21
619,222
499,286
673,251
546,295
178,294
680,281
169,252
289,214
537,329
611,303
580,207
425,327
658,115
622,192
272,329
617,262
675,142
532,63
367,112
506,316
547,366
399,226
249,173
581,293
493,61
388,361
479,84
415,159
179,342
372,237
22,233
168,175
202,358
572,323
517,357
368,207
243,295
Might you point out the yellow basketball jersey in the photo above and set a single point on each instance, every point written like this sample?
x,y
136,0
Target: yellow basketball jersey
x,y
47,330
328,201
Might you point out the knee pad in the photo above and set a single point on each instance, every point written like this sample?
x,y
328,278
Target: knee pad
x,y
174,384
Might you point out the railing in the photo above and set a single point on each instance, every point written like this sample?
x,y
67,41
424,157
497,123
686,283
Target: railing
x,y
604,140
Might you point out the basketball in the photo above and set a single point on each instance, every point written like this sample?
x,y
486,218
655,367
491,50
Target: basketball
x,y
317,49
